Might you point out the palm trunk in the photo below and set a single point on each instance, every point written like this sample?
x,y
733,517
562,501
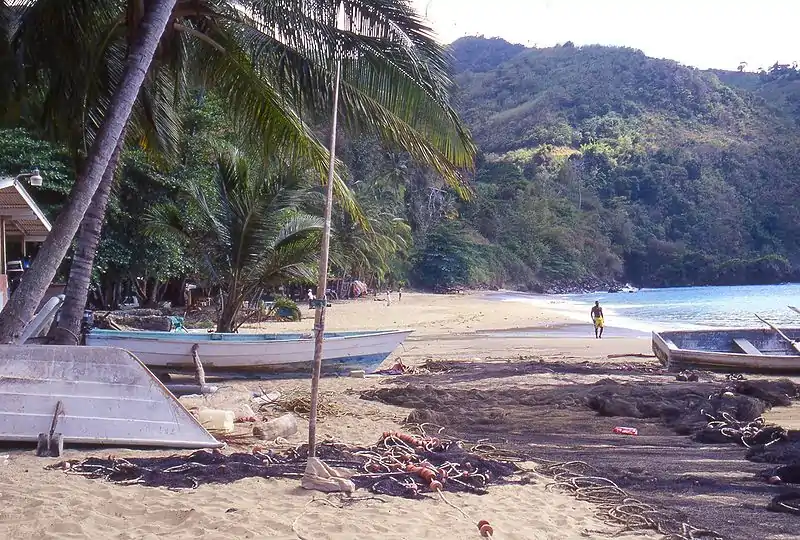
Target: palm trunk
x,y
227,316
80,273
30,292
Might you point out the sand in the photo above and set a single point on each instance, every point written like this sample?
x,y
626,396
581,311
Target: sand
x,y
39,503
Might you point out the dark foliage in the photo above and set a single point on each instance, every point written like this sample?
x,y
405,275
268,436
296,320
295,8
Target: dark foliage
x,y
601,162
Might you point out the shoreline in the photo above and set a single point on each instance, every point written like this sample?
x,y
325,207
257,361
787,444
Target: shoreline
x,y
578,311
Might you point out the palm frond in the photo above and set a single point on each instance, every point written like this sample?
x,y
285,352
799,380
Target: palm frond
x,y
395,79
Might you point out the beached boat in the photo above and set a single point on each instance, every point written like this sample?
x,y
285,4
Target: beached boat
x,y
98,395
729,349
256,354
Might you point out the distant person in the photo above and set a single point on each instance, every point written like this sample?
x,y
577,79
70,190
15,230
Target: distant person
x,y
597,319
399,293
311,298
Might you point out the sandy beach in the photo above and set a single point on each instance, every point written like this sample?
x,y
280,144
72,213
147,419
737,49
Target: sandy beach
x,y
39,503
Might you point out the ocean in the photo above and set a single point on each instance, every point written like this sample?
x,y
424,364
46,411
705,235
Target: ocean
x,y
679,308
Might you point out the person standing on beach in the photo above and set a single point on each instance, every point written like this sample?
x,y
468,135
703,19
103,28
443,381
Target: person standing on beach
x,y
597,319
311,299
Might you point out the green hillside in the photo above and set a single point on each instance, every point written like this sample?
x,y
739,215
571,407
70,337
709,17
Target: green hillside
x,y
602,164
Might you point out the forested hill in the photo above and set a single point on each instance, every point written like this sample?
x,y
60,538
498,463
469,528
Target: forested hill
x,y
601,163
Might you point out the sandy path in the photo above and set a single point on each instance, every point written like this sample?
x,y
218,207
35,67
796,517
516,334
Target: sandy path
x,y
50,504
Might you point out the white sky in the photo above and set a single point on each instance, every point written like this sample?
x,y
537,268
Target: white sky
x,y
701,33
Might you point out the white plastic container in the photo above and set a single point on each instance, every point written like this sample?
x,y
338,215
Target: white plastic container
x,y
216,419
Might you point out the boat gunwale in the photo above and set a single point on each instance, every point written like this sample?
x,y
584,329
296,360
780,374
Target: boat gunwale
x,y
130,335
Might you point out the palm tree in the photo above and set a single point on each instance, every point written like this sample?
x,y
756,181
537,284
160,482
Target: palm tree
x,y
97,35
247,229
26,298
370,252
273,60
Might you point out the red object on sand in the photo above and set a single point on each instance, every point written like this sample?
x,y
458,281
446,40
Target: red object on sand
x,y
620,430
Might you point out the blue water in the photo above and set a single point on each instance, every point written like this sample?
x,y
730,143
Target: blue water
x,y
658,309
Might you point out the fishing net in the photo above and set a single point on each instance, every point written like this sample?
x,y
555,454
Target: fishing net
x,y
615,505
711,412
399,464
673,480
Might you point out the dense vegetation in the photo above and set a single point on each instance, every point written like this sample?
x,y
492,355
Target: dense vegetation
x,y
601,164
596,165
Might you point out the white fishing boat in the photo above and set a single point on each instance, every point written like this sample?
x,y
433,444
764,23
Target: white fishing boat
x,y
96,395
730,349
255,354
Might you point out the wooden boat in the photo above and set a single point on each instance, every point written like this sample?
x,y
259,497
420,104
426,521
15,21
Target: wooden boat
x,y
730,349
255,354
107,397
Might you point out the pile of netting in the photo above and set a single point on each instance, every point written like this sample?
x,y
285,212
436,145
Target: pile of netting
x,y
711,414
399,464
615,505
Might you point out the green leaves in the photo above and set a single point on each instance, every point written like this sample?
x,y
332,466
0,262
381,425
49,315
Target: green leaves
x,y
246,228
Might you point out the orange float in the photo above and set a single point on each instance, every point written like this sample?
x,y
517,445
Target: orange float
x,y
485,529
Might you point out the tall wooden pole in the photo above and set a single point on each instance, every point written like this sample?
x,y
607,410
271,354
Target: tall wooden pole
x,y
322,285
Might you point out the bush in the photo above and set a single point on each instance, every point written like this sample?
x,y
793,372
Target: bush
x,y
284,309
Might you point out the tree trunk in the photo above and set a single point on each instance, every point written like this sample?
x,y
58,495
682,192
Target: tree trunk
x,y
80,273
227,316
23,303
152,293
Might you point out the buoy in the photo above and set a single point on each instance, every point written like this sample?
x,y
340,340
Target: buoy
x,y
485,529
435,485
257,449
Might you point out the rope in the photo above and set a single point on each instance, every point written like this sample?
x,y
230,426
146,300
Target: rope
x,y
745,433
614,504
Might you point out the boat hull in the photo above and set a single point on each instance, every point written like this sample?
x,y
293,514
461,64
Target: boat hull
x,y
716,350
107,397
256,354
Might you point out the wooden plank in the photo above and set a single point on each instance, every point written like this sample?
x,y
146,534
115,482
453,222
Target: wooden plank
x,y
747,347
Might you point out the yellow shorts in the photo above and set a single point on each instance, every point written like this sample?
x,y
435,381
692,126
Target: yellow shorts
x,y
598,322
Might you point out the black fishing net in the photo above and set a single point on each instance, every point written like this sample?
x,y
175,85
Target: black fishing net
x,y
399,465
670,469
686,408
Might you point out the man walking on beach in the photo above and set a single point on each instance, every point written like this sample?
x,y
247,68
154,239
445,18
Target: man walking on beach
x,y
597,319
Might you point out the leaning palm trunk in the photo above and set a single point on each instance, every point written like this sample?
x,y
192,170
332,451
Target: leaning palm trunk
x,y
80,272
27,297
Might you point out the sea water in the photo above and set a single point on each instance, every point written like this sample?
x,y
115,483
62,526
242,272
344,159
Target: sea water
x,y
679,308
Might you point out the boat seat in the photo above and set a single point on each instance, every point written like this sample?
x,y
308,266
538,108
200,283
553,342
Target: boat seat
x,y
747,347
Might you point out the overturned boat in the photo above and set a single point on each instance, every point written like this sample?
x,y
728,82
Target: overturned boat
x,y
253,354
768,350
92,396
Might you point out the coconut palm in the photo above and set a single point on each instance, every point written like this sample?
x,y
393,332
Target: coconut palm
x,y
274,62
22,305
246,229
368,253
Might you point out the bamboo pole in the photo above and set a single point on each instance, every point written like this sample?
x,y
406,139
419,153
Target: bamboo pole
x,y
319,316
